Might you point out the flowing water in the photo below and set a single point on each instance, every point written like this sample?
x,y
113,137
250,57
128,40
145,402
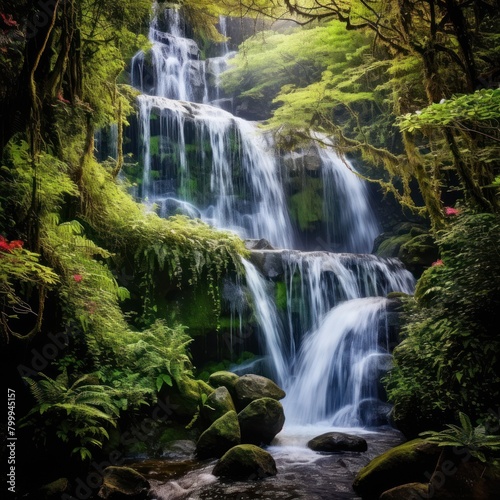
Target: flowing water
x,y
327,340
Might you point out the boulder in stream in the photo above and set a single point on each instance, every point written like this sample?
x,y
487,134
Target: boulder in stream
x,y
222,435
218,404
250,387
245,461
410,462
261,420
120,483
336,442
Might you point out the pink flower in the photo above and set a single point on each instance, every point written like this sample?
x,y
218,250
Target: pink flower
x,y
451,211
77,277
438,262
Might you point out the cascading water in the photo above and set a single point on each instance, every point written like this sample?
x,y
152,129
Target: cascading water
x,y
235,184
328,336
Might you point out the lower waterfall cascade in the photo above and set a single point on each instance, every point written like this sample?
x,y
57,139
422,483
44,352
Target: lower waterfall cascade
x,y
328,346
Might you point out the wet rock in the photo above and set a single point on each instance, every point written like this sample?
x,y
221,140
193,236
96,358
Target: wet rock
x,y
245,461
268,262
261,244
180,449
407,492
374,413
261,420
172,206
120,483
410,462
223,379
250,387
222,435
337,441
218,404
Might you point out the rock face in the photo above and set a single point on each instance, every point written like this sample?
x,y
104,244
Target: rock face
x,y
222,435
261,420
121,483
218,404
410,462
337,441
245,461
248,388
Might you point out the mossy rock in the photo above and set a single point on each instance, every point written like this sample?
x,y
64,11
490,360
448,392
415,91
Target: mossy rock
x,y
223,379
388,245
187,398
222,435
261,420
245,461
250,387
418,253
410,491
217,404
123,482
410,462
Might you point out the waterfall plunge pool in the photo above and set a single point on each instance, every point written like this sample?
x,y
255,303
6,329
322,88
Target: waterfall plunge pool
x,y
302,473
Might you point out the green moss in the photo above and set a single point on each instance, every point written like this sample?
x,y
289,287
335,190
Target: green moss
x,y
406,463
306,206
390,246
154,145
281,296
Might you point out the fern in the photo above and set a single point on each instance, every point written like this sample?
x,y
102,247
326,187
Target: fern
x,y
73,412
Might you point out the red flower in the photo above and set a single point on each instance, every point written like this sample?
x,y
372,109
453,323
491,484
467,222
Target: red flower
x,y
7,20
16,244
438,262
77,277
451,211
5,246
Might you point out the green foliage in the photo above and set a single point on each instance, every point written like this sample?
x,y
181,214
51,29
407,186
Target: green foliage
x,y
480,107
448,358
475,439
78,412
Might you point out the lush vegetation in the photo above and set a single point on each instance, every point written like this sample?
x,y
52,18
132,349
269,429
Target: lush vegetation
x,y
81,261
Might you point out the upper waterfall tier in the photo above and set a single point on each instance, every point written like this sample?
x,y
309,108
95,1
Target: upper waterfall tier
x,y
217,162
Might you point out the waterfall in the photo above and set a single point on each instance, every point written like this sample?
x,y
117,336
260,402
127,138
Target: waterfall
x,y
327,339
334,360
351,225
326,347
197,153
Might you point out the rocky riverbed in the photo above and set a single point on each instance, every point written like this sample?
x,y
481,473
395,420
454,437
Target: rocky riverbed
x,y
302,473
